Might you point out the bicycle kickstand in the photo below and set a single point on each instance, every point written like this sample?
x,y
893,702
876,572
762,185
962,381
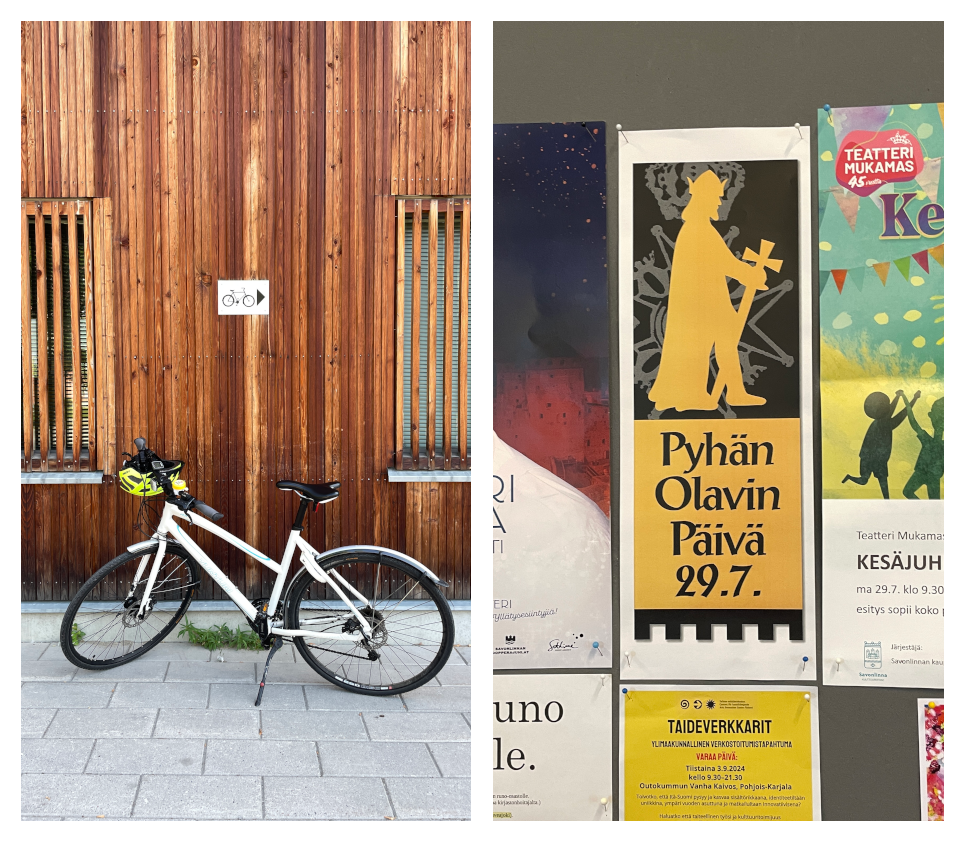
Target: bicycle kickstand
x,y
275,646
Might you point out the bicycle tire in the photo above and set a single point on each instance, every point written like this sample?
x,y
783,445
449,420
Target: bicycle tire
x,y
228,301
412,642
248,301
110,620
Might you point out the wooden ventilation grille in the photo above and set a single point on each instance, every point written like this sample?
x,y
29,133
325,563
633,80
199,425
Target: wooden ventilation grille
x,y
432,334
56,324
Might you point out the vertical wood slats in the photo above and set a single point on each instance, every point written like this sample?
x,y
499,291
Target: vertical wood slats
x,y
75,380
424,432
414,331
431,332
26,365
51,311
177,195
447,332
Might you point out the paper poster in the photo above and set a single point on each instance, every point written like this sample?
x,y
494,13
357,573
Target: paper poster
x,y
716,444
551,406
719,753
931,744
552,747
881,272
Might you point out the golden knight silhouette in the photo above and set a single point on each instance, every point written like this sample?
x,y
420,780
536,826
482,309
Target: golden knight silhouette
x,y
700,316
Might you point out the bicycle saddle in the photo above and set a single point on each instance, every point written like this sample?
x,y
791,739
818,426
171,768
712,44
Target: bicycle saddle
x,y
314,492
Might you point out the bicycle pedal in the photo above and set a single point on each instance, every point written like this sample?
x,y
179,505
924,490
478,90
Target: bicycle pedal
x,y
275,647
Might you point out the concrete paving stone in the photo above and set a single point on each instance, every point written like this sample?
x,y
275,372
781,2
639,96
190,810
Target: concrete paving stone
x,y
207,723
77,794
455,675
161,695
32,650
438,699
376,759
464,651
33,722
262,758
54,653
201,797
325,798
47,670
452,757
133,672
177,652
64,696
416,799
235,696
313,726
102,723
146,756
334,698
286,654
294,672
54,756
468,717
212,672
417,726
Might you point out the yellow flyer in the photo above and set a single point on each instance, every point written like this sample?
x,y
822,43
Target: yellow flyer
x,y
720,753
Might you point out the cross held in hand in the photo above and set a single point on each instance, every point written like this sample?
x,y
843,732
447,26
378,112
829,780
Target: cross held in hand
x,y
764,259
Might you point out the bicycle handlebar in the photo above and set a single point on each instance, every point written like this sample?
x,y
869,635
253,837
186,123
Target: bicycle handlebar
x,y
144,463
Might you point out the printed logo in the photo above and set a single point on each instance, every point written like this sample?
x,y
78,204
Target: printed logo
x,y
868,160
697,704
872,654
510,640
685,704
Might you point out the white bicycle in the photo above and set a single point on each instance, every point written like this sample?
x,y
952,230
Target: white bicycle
x,y
368,619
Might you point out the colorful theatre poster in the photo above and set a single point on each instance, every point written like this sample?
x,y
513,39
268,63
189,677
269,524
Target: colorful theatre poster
x,y
931,757
720,753
882,282
551,404
552,747
717,578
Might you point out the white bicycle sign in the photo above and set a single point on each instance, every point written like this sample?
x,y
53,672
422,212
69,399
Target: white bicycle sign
x,y
236,297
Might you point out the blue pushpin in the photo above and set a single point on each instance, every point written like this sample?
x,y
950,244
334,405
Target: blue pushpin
x,y
596,645
624,691
827,108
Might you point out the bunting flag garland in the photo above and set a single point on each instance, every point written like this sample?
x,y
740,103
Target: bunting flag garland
x,y
882,269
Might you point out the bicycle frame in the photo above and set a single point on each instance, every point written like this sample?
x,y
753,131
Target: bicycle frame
x,y
167,530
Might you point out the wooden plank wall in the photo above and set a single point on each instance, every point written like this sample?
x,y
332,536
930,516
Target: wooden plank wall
x,y
247,150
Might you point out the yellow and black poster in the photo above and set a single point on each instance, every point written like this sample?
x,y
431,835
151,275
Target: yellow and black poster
x,y
720,754
716,320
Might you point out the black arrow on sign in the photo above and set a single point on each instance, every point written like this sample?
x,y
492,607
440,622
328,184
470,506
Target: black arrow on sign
x,y
260,296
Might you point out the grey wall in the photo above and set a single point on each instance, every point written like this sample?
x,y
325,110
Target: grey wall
x,y
682,75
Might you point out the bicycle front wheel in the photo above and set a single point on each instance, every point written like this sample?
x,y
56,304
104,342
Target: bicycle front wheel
x,y
413,629
102,627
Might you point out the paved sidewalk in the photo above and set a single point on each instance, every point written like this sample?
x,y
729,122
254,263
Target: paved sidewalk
x,y
176,735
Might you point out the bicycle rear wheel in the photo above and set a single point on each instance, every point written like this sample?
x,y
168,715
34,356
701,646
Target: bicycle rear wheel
x,y
413,629
108,631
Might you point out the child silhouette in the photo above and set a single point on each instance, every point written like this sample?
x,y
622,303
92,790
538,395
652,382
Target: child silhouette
x,y
931,461
876,447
